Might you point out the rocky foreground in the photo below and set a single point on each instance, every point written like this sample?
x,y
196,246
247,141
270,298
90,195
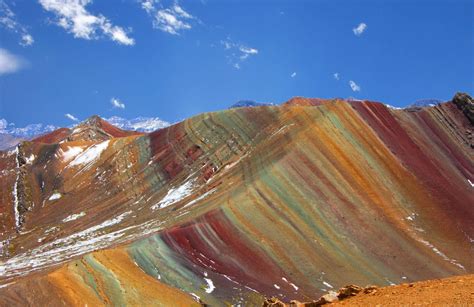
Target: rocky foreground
x,y
453,291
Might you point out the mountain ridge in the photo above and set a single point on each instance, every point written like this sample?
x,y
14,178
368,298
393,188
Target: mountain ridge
x,y
243,204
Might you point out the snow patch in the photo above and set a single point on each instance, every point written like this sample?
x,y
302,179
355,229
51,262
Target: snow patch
x,y
251,289
30,159
196,297
15,190
471,183
175,194
328,285
71,153
282,129
210,285
440,253
63,249
91,154
55,196
290,283
393,108
199,198
52,229
276,286
230,279
74,217
6,285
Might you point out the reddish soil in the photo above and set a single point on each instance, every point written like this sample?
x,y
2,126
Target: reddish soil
x,y
453,291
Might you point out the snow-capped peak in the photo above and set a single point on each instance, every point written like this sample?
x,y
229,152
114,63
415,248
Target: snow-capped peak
x,y
26,132
143,124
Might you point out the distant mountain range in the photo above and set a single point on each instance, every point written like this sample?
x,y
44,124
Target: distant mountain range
x,y
10,135
249,103
142,124
24,132
430,102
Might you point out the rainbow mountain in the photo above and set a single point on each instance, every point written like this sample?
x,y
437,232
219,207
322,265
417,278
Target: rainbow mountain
x,y
231,207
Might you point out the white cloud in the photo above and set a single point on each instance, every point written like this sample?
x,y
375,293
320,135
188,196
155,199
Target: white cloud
x,y
117,103
293,74
71,117
227,44
73,16
9,21
149,5
10,63
172,20
354,86
179,10
336,75
168,22
3,125
359,29
246,52
27,40
238,53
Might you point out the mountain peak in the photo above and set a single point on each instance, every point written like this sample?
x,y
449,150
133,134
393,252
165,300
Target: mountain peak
x,y
94,120
95,128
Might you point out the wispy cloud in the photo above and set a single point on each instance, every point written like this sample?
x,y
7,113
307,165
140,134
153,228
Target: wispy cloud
x,y
8,20
246,52
116,103
10,63
167,21
172,20
227,44
27,40
336,75
3,125
237,52
149,5
71,117
354,86
73,17
359,29
293,74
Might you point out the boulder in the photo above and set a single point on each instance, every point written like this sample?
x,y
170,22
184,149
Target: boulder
x,y
465,103
348,291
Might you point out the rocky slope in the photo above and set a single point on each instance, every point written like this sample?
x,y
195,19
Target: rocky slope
x,y
234,206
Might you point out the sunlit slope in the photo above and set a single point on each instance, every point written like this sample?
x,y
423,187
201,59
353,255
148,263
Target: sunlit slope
x,y
270,201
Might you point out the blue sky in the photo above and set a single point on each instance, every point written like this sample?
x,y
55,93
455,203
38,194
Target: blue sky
x,y
176,59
